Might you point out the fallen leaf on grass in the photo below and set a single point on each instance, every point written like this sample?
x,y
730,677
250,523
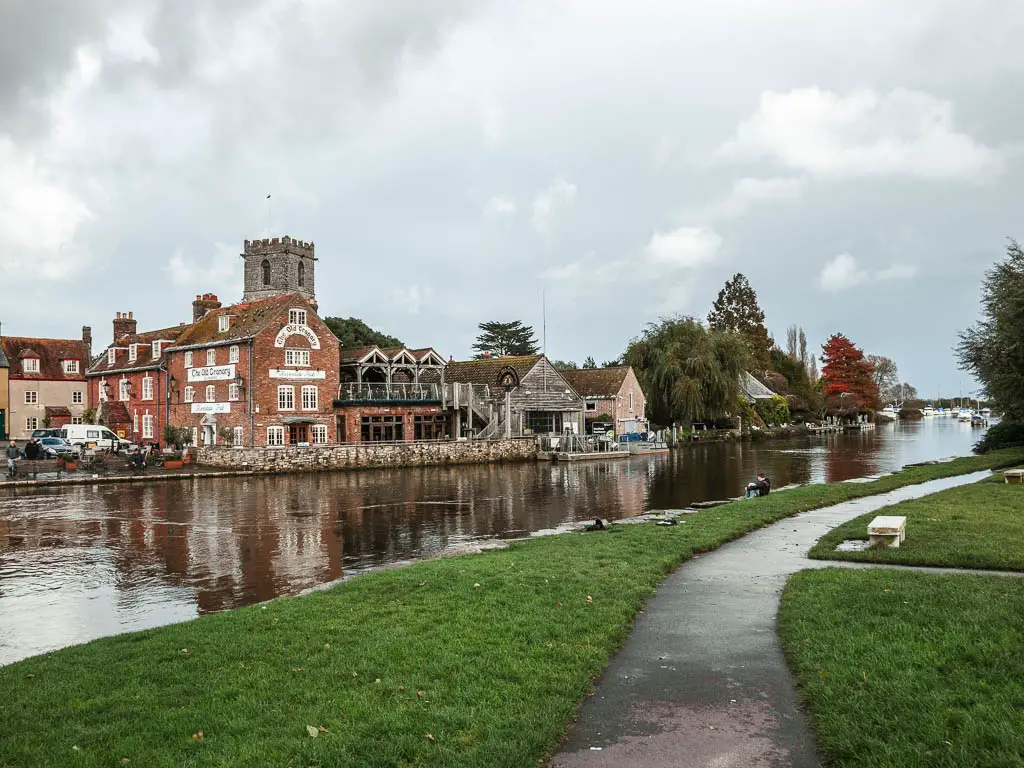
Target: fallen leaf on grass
x,y
476,585
590,599
421,694
377,681
185,651
430,737
125,761
313,731
401,687
197,736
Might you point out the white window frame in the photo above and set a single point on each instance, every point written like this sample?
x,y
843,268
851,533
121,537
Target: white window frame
x,y
69,366
111,356
297,316
31,397
30,365
102,391
211,356
233,392
297,358
77,397
190,393
147,426
122,390
157,349
275,435
310,398
133,353
31,423
286,397
223,323
77,420
135,422
233,354
319,434
147,388
238,436
211,393
188,359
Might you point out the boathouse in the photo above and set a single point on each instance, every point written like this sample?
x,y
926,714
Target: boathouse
x,y
611,395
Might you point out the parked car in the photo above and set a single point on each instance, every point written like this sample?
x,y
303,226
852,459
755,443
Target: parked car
x,y
83,436
52,446
48,432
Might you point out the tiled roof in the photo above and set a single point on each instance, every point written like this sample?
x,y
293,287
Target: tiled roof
x,y
487,370
58,410
355,354
754,389
597,382
145,356
420,354
114,412
247,320
50,353
3,358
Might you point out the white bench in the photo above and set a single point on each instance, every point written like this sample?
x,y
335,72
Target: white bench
x,y
1013,476
887,531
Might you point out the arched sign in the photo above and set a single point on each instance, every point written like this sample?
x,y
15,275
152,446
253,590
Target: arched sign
x,y
293,329
508,378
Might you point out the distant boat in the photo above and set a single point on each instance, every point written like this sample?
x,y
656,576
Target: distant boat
x,y
965,414
986,412
891,411
927,411
977,420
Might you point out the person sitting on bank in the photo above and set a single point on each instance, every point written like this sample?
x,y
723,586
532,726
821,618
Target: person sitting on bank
x,y
13,454
760,487
138,461
32,449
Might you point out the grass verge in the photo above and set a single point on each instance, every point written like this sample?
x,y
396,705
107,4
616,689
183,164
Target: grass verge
x,y
974,526
904,668
472,661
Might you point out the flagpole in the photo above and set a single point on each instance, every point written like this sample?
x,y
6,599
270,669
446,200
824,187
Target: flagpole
x,y
269,214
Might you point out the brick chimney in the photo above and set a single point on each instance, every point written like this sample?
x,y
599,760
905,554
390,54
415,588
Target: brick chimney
x,y
202,305
87,340
124,325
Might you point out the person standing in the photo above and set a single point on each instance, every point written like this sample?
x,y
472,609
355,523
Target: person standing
x,y
12,456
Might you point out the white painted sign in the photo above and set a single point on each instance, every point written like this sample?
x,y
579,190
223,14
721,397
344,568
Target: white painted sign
x,y
211,407
212,373
293,329
290,373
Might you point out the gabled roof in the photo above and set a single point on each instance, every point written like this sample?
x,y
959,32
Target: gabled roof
x,y
754,389
145,357
597,382
247,320
488,370
50,353
357,354
426,352
113,412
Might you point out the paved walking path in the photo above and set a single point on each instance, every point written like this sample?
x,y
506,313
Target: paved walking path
x,y
702,680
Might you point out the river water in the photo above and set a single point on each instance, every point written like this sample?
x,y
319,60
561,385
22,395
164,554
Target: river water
x,y
82,562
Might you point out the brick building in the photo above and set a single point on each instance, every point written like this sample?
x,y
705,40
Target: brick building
x,y
46,382
611,395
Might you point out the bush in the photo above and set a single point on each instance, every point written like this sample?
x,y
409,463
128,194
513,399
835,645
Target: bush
x,y
1006,434
774,411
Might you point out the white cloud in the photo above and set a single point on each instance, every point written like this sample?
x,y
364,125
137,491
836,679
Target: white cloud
x,y
216,272
410,300
684,247
751,190
498,207
492,123
40,220
565,272
903,132
843,272
549,203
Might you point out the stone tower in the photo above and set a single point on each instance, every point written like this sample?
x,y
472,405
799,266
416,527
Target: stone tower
x,y
279,265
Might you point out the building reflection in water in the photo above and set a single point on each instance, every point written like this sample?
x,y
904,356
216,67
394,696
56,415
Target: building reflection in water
x,y
82,562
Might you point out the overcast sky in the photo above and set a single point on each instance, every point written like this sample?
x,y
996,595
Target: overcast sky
x,y
453,160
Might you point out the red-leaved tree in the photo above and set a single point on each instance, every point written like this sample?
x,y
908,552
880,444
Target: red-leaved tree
x,y
847,378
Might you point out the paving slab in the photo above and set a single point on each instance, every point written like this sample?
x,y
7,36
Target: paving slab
x,y
702,680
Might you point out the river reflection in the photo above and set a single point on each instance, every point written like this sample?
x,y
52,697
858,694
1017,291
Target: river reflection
x,y
82,562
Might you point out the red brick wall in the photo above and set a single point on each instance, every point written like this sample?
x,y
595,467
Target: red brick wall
x,y
135,404
618,408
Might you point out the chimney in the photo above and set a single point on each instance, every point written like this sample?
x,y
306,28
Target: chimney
x,y
87,340
124,325
202,305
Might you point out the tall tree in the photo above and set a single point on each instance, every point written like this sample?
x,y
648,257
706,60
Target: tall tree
x,y
993,348
792,342
803,348
736,309
812,368
353,332
589,364
689,372
847,378
886,377
499,339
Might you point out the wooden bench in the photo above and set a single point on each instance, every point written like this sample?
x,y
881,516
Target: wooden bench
x,y
887,531
1013,476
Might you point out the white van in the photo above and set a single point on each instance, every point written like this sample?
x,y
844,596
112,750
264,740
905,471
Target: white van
x,y
92,436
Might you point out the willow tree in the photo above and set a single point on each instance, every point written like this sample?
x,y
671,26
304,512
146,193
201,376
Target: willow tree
x,y
689,372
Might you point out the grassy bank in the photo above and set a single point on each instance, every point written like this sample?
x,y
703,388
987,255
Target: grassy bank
x,y
975,526
903,668
475,661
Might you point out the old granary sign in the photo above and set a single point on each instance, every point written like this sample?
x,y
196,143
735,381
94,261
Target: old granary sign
x,y
212,373
294,329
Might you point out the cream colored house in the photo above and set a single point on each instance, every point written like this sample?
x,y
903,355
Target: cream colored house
x,y
3,394
46,384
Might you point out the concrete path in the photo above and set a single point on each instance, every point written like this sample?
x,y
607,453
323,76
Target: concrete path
x,y
702,680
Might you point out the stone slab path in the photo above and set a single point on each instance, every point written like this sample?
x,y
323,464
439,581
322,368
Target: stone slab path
x,y
702,680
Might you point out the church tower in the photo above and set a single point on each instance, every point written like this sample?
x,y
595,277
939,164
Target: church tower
x,y
279,265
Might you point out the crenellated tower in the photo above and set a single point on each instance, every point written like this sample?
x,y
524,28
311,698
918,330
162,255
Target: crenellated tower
x,y
279,265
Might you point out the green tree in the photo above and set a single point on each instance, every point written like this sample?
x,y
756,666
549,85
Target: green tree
x,y
689,372
499,339
589,364
353,332
564,365
993,348
736,309
803,395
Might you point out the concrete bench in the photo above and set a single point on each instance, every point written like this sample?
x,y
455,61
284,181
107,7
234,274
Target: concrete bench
x,y
1013,476
887,531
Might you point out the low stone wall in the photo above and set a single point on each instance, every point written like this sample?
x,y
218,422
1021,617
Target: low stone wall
x,y
368,455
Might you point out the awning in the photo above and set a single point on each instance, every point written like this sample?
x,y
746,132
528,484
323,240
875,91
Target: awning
x,y
58,410
299,420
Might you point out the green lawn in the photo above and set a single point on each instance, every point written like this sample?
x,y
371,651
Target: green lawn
x,y
974,526
472,661
908,669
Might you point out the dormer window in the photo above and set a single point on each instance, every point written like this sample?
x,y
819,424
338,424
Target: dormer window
x,y
30,364
111,356
157,349
223,323
69,366
297,316
133,352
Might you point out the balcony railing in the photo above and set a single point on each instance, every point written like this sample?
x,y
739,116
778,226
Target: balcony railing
x,y
389,393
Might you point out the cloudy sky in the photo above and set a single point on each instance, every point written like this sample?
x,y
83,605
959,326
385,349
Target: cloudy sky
x,y
455,160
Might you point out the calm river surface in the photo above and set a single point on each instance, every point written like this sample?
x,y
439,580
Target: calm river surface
x,y
82,562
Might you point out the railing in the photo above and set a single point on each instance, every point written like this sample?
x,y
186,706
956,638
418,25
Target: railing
x,y
348,393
